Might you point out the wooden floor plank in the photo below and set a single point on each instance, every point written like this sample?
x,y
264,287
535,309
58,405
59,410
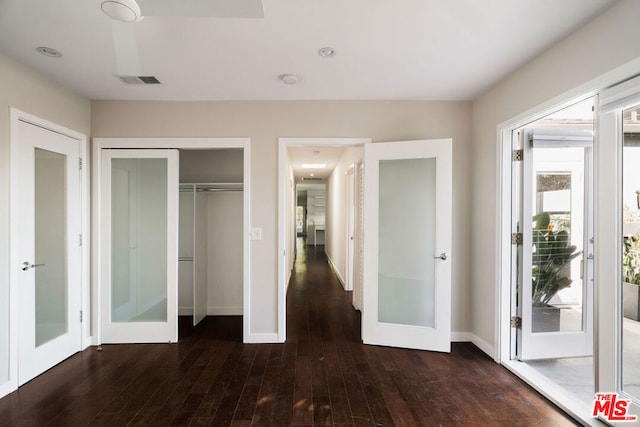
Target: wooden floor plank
x,y
323,375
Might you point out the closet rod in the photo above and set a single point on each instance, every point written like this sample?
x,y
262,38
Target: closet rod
x,y
214,190
212,186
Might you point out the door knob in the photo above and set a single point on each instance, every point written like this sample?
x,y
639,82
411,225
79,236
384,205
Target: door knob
x,y
442,256
27,265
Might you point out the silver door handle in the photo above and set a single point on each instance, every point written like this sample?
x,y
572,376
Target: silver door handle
x,y
27,265
442,256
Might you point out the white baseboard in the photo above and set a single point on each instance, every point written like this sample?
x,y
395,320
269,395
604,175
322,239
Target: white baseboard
x,y
470,337
224,311
6,388
213,311
185,311
335,270
87,342
484,346
261,338
461,337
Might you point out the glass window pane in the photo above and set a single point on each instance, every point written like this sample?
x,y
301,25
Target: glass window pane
x,y
406,227
50,245
558,239
139,240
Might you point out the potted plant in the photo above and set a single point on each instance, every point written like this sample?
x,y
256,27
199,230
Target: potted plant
x,y
550,273
631,278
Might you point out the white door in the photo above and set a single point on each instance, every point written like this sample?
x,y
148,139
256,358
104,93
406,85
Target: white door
x,y
201,258
45,246
557,245
407,249
139,238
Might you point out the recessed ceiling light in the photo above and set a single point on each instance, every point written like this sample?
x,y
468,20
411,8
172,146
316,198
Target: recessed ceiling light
x,y
312,174
314,165
289,79
327,52
49,51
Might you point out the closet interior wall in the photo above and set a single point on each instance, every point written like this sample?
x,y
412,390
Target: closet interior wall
x,y
210,233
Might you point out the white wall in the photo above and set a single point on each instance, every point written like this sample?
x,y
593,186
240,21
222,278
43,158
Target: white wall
x,y
23,88
336,242
264,122
224,253
605,43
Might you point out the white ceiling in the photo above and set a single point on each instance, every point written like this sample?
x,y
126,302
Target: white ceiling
x,y
403,49
328,156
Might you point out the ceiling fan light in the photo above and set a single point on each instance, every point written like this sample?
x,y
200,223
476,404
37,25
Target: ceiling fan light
x,y
121,10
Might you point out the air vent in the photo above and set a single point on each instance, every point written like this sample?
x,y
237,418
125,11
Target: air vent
x,y
312,179
139,80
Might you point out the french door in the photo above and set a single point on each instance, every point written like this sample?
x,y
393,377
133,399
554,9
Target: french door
x,y
407,253
45,247
139,235
555,258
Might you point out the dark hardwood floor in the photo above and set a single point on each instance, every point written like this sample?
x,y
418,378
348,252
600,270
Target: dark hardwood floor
x,y
322,375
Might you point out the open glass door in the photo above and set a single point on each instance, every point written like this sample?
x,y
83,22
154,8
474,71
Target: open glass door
x,y
407,255
556,257
140,246
46,249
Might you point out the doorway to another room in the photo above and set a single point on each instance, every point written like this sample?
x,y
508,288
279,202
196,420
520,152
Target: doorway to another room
x,y
404,182
194,232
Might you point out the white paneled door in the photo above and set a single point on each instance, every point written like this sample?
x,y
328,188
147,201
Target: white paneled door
x,y
139,238
45,247
407,250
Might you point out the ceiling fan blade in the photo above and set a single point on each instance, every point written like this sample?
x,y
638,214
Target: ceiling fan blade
x,y
126,49
204,8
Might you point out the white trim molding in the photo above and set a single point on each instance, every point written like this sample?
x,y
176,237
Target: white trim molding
x,y
185,144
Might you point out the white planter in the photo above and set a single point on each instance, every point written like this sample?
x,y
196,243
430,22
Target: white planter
x,y
630,297
545,319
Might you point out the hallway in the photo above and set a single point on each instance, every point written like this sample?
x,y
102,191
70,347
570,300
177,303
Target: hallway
x,y
322,375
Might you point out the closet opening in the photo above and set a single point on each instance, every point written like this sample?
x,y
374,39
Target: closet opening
x,y
210,243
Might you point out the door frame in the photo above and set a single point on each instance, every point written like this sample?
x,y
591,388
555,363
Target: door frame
x,y
15,117
504,352
284,259
177,143
349,226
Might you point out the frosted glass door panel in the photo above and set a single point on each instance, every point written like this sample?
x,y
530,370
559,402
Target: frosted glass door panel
x,y
407,214
50,246
406,267
139,240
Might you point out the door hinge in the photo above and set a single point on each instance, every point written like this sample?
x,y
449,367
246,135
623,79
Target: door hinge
x,y
80,163
517,155
516,322
516,239
80,316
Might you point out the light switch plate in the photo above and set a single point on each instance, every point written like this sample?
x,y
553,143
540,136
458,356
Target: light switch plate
x,y
256,233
